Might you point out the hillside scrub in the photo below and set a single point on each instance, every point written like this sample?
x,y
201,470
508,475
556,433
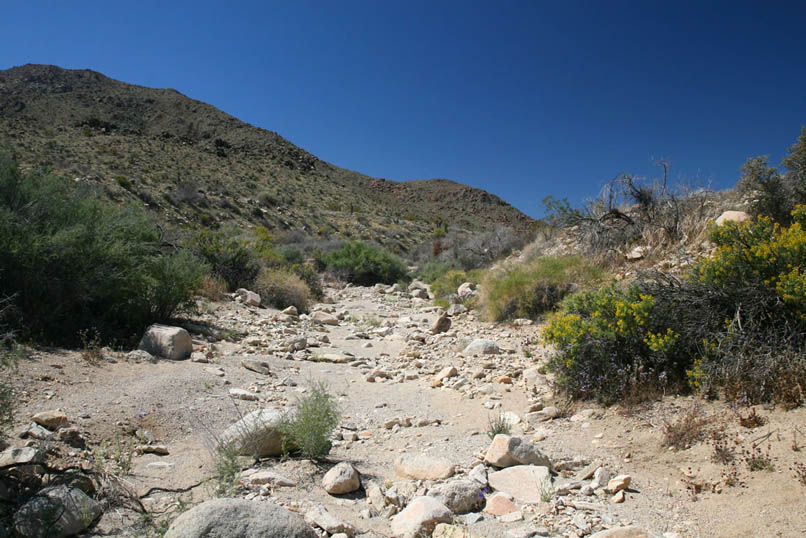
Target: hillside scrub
x,y
735,325
74,262
530,289
444,288
366,265
281,288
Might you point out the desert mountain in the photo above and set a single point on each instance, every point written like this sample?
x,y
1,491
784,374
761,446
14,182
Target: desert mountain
x,y
194,164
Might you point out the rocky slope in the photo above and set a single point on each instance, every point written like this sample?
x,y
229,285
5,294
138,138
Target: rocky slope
x,y
192,163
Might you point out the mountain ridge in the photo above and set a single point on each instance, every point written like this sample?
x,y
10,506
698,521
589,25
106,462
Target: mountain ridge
x,y
195,164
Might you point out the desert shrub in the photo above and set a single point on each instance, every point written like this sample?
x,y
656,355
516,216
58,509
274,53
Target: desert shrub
x,y
309,426
446,285
308,274
433,270
366,265
291,253
73,261
608,344
528,290
9,351
281,288
213,287
231,258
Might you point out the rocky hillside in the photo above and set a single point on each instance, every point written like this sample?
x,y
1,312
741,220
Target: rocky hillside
x,y
194,164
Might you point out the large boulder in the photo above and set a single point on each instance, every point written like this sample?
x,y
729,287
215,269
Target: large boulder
x,y
249,298
256,434
420,517
732,216
525,483
239,518
55,512
506,451
165,341
460,496
482,346
466,290
419,467
343,478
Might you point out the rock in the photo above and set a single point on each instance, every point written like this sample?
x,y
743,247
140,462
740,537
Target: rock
x,y
238,518
249,298
479,474
160,450
622,532
482,346
618,497
444,530
35,431
420,518
619,483
256,434
441,325
600,478
323,318
198,356
732,216
418,467
466,290
262,477
138,355
52,420
55,512
419,293
523,482
20,456
460,496
72,436
499,504
241,394
512,517
261,367
506,451
447,372
343,478
375,496
172,343
291,311
320,517
547,413
456,309
637,253
417,285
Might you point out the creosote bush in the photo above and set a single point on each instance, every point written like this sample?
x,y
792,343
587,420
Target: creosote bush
x,y
528,290
73,261
281,288
309,426
366,265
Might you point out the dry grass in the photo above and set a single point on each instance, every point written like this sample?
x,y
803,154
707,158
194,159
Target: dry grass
x,y
213,288
687,428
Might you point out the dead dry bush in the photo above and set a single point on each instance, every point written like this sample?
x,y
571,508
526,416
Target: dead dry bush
x,y
687,428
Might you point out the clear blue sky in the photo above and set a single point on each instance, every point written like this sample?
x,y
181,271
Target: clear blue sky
x,y
521,98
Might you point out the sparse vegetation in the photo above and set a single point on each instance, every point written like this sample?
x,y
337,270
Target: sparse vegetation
x,y
688,428
757,459
309,426
498,425
281,288
528,290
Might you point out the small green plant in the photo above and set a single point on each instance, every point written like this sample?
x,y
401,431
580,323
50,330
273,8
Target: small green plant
x,y
122,454
547,491
309,426
226,468
498,425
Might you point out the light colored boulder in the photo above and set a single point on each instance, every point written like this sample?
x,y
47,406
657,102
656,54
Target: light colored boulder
x,y
444,530
419,467
619,483
242,394
456,309
637,253
261,367
52,420
323,318
20,456
165,341
506,451
420,518
522,482
466,290
343,478
419,293
500,504
262,477
460,496
441,325
291,311
249,298
319,516
482,346
238,518
256,434
56,511
732,216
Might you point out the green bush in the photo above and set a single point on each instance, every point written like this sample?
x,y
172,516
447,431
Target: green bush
x,y
73,261
229,257
528,290
737,325
433,270
366,265
309,426
281,288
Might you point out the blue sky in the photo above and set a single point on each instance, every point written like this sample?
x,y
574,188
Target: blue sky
x,y
521,98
